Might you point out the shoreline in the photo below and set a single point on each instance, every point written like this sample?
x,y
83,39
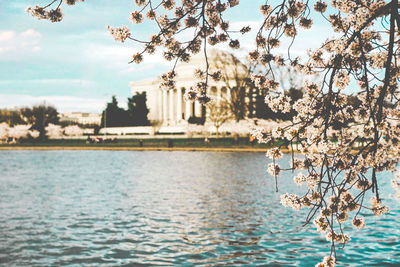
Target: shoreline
x,y
118,148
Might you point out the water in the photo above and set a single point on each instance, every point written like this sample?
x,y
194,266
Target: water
x,y
154,208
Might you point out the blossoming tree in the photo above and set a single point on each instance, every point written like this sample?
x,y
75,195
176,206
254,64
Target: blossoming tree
x,y
54,131
363,56
73,130
219,113
20,131
4,128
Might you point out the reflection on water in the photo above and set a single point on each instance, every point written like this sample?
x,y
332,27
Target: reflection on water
x,y
164,208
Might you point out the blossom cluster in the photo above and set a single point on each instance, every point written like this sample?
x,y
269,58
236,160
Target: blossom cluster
x,y
274,153
121,34
281,103
54,15
329,261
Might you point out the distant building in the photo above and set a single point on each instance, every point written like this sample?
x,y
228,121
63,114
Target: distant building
x,y
81,118
170,107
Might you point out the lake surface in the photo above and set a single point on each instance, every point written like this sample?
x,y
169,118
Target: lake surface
x,y
127,208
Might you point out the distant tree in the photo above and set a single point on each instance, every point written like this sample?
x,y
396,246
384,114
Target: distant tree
x,y
96,129
218,114
11,116
262,110
54,131
73,130
19,132
4,129
196,120
113,115
39,116
237,79
137,110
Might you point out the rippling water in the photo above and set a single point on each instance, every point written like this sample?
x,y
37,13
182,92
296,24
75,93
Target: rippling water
x,y
165,208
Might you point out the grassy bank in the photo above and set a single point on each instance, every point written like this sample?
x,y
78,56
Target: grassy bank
x,y
198,144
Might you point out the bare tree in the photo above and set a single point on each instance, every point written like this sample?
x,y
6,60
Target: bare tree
x,y
289,77
236,77
219,113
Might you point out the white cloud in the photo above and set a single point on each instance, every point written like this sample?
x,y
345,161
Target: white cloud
x,y
30,34
62,103
77,82
107,53
136,67
6,36
14,46
117,56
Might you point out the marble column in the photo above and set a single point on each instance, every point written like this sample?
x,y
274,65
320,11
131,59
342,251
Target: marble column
x,y
197,108
164,113
187,110
160,104
178,104
171,106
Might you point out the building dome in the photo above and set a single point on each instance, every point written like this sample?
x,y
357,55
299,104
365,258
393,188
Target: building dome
x,y
226,62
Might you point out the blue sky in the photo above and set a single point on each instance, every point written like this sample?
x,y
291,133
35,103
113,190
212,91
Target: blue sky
x,y
75,64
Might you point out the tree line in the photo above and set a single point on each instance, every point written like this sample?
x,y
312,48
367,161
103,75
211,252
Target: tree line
x,y
134,115
38,116
41,115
